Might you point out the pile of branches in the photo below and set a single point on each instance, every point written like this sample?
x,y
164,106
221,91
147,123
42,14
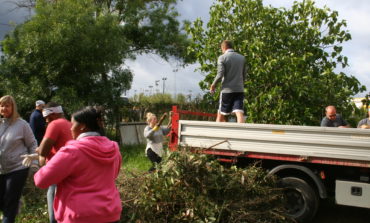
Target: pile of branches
x,y
190,187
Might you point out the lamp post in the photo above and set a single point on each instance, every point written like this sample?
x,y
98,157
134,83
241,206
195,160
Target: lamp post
x,y
164,80
156,86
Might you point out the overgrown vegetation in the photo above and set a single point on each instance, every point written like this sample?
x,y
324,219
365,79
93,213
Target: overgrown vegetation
x,y
190,187
187,187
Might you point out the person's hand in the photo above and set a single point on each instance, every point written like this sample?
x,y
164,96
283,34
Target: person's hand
x,y
212,89
365,126
29,158
156,128
42,161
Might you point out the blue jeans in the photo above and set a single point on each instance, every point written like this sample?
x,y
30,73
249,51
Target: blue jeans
x,y
50,198
11,186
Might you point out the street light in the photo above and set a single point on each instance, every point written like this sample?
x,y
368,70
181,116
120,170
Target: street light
x,y
156,86
163,79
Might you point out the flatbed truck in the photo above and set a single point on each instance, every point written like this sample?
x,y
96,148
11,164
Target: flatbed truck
x,y
312,163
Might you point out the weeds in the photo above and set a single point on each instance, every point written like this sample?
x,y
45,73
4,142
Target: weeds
x,y
189,187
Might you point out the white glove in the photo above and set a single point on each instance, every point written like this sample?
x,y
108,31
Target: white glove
x,y
28,158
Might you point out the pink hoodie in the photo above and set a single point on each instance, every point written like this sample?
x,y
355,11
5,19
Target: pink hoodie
x,y
84,171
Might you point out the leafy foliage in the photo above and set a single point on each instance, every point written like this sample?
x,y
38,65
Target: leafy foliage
x,y
66,53
292,56
190,187
73,52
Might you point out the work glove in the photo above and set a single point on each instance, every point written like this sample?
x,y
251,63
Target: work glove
x,y
29,158
156,128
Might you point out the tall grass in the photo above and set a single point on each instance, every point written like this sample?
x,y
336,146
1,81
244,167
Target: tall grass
x,y
134,159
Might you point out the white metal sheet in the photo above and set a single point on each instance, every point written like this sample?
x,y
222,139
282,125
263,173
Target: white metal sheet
x,y
353,144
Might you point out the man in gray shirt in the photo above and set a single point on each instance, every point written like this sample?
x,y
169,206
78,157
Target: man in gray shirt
x,y
332,119
231,69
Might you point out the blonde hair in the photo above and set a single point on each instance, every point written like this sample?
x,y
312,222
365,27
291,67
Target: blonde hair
x,y
149,117
7,99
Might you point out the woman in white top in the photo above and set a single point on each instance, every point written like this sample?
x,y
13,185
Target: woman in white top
x,y
16,141
154,135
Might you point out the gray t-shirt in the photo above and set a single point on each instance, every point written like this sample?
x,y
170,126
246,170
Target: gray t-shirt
x,y
365,121
338,121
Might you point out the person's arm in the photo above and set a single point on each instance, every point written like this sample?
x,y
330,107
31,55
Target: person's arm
x,y
165,131
57,169
245,70
118,167
220,73
344,123
169,119
33,123
344,126
148,132
44,149
29,139
31,145
324,122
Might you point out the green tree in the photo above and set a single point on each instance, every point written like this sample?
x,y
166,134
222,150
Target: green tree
x,y
66,53
293,56
151,26
73,52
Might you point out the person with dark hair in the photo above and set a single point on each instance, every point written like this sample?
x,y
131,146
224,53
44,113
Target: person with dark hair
x,y
16,141
58,132
37,121
85,170
231,69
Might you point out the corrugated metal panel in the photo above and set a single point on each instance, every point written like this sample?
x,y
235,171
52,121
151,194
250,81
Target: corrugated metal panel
x,y
353,144
132,133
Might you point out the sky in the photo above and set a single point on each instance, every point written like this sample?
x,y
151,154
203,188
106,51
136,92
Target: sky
x,y
153,74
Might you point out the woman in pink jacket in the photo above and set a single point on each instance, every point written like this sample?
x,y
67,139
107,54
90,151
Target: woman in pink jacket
x,y
84,170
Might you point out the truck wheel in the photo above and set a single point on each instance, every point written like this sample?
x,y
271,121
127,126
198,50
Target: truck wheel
x,y
301,200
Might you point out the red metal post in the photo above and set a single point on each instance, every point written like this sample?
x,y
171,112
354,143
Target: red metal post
x,y
174,137
174,129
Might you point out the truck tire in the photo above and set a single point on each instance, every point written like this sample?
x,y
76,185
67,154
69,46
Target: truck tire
x,y
301,200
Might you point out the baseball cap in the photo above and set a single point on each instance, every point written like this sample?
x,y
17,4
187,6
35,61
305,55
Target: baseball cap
x,y
40,102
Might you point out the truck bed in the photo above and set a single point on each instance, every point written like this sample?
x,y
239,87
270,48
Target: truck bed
x,y
298,143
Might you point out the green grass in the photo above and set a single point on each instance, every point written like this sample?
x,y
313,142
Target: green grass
x,y
134,159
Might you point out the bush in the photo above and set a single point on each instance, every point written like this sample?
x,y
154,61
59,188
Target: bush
x,y
189,187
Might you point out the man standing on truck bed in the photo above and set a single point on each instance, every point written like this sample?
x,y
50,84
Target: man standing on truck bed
x,y
332,119
231,68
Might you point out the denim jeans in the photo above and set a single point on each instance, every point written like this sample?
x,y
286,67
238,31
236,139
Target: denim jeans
x,y
11,186
50,198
